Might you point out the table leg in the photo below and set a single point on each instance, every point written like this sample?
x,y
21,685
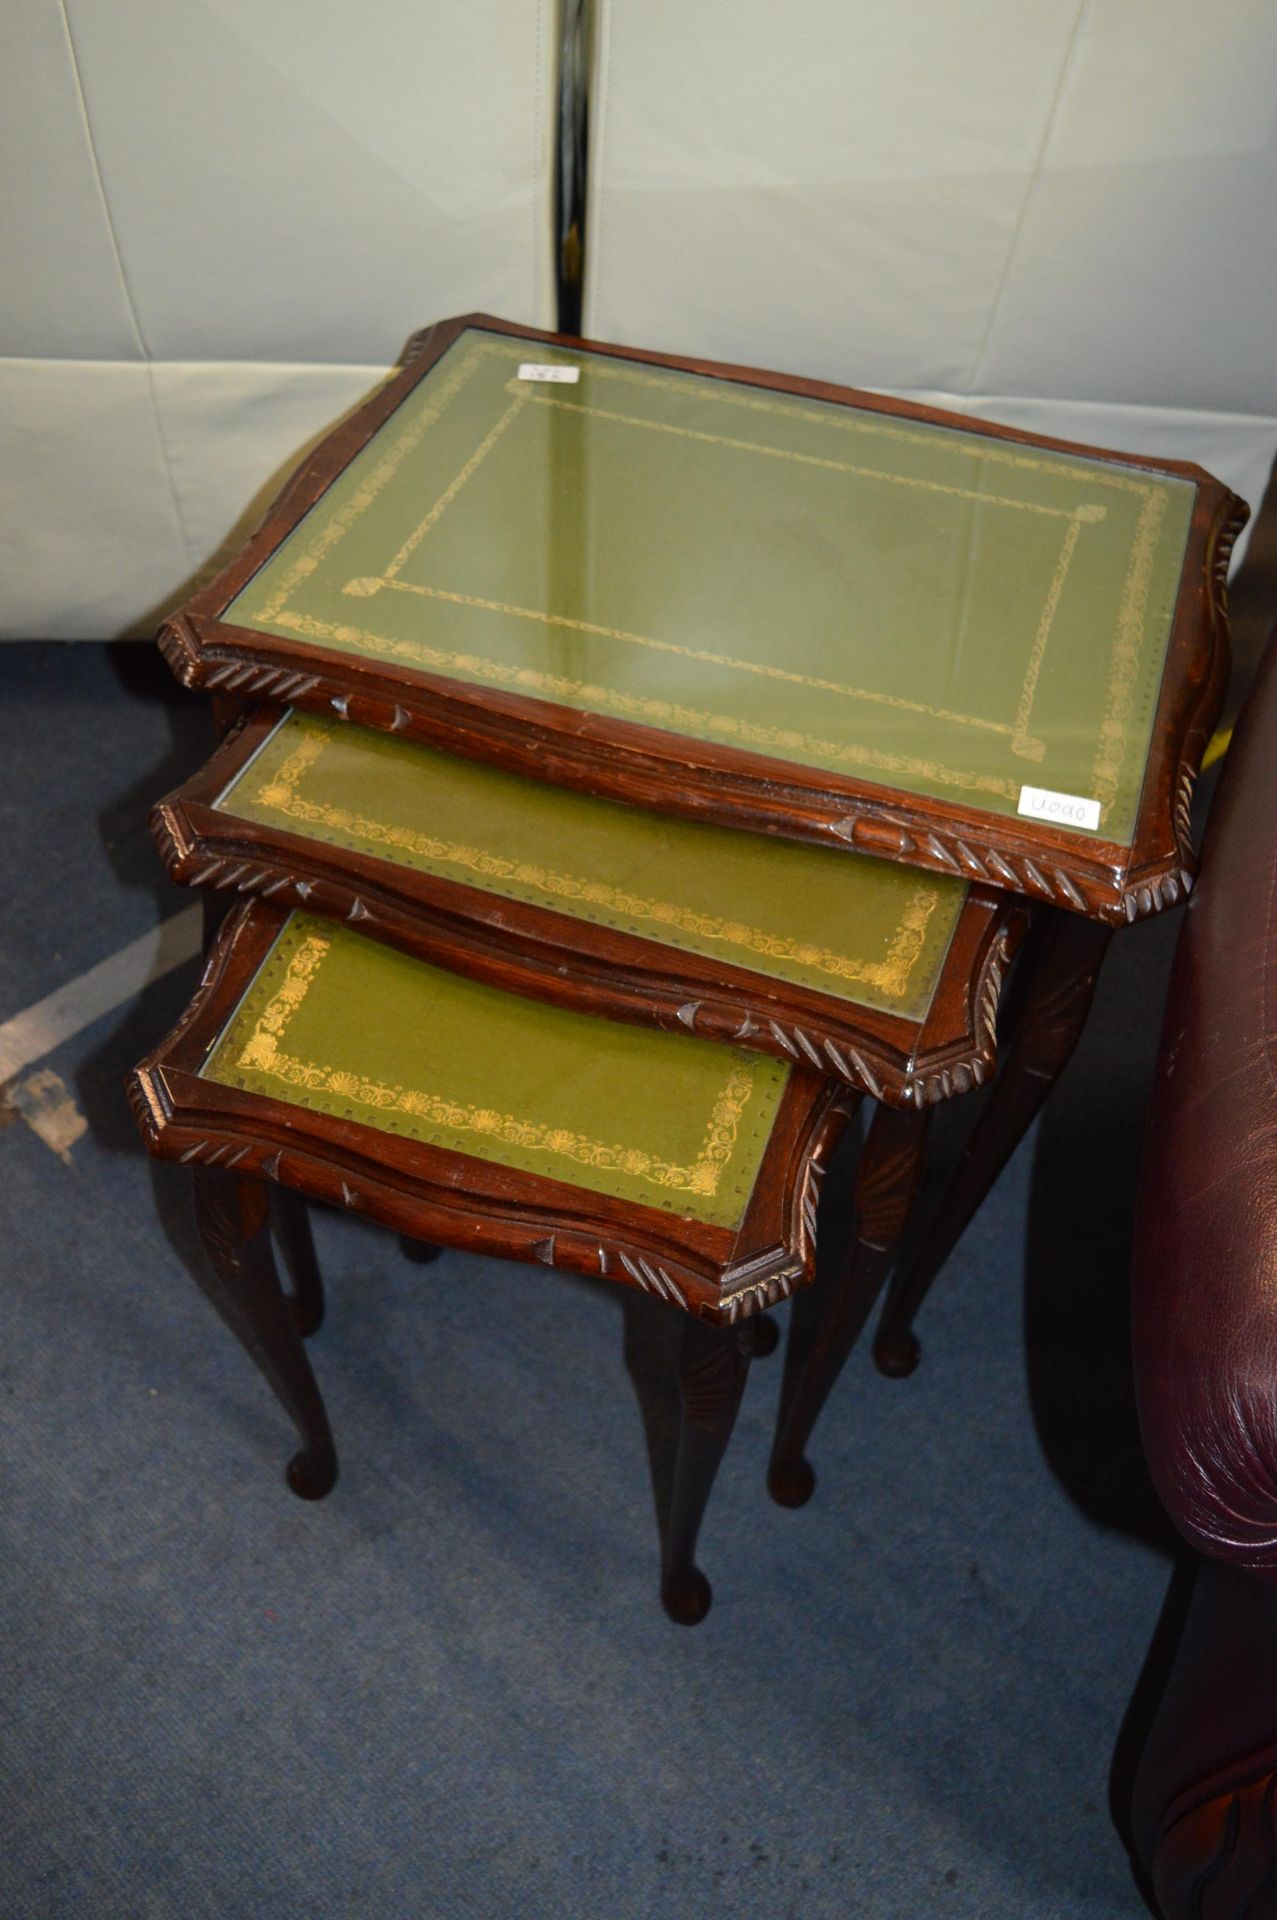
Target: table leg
x,y
290,1218
232,1212
420,1252
823,1335
712,1369
227,708
1058,998
214,908
766,1335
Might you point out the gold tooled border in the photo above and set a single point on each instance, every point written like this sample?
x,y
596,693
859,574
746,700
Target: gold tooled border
x,y
889,976
666,713
1124,663
305,562
1023,743
262,1053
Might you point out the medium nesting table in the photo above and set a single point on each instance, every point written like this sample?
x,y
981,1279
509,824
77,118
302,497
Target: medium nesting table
x,y
852,975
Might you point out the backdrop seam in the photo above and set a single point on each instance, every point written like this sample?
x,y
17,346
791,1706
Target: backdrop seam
x,y
126,289
598,75
1048,128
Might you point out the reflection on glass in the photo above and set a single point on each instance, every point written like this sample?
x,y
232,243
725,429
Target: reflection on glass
x,y
344,1026
859,930
930,609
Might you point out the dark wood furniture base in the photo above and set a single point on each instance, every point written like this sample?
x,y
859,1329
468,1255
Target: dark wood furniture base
x,y
240,1143
891,1167
290,1225
232,1213
1064,967
418,1251
1063,961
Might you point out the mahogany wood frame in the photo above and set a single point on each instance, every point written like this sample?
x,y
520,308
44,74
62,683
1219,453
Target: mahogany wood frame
x,y
452,1199
573,962
669,772
235,1222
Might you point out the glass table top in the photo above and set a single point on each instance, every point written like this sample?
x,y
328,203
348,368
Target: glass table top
x,y
861,930
925,607
341,1025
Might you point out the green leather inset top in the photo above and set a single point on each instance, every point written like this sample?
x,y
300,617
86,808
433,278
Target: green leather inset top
x,y
864,931
927,608
343,1025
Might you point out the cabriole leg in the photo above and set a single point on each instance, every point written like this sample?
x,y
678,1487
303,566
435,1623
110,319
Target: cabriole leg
x,y
824,1333
420,1252
766,1335
290,1217
712,1368
232,1213
1058,998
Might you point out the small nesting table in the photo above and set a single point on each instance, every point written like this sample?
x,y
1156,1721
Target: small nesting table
x,y
468,1117
839,973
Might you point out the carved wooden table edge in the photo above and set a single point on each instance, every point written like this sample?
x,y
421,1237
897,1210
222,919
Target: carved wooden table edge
x,y
571,962
448,1198
641,765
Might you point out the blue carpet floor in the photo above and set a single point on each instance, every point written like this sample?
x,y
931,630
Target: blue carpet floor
x,y
449,1689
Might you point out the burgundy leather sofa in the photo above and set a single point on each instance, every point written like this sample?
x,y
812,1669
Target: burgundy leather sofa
x,y
1205,1345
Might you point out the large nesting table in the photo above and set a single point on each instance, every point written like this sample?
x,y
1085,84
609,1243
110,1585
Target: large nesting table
x,y
763,601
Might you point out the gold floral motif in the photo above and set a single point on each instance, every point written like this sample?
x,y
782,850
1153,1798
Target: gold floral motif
x,y
262,1048
890,976
262,1052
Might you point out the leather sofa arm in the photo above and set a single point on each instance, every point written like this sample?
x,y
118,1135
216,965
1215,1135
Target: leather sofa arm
x,y
1205,1274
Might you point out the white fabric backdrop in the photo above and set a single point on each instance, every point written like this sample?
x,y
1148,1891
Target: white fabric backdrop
x,y
218,218
1061,215
219,221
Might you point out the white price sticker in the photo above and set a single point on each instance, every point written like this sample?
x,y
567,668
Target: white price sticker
x,y
566,376
1061,809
